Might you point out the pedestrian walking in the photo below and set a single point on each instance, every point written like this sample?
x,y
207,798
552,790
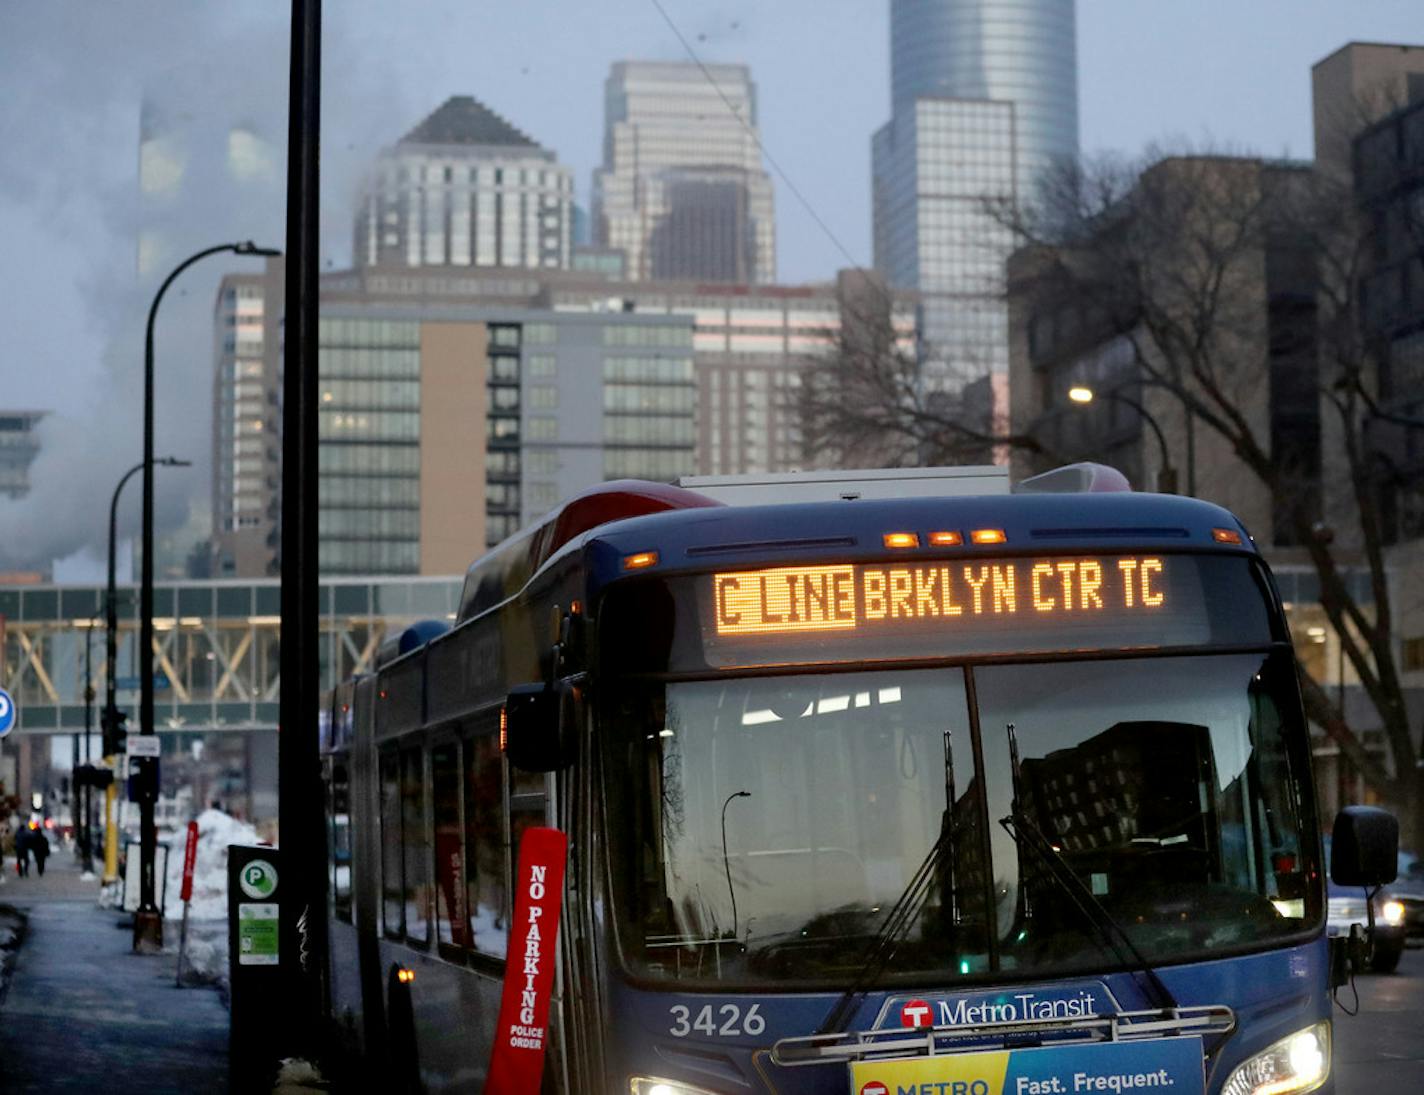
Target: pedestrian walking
x,y
39,847
22,853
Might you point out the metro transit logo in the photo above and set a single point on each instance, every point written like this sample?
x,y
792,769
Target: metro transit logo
x,y
915,1014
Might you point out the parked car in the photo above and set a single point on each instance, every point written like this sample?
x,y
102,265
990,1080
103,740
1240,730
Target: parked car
x,y
1408,889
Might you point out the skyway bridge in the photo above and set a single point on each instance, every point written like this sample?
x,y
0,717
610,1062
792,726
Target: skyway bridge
x,y
216,646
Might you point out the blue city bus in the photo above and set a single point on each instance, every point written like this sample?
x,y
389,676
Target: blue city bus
x,y
952,795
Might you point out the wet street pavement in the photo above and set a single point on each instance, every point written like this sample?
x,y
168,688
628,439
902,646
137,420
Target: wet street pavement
x,y
1380,1051
83,1013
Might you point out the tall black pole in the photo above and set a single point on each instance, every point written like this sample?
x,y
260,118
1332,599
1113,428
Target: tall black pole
x,y
111,602
301,911
111,610
148,920
83,797
111,653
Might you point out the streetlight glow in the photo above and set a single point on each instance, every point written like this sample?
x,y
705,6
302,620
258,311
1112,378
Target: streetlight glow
x,y
1080,394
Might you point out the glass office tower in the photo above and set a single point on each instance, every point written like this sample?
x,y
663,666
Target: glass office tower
x,y
682,191
985,100
1022,52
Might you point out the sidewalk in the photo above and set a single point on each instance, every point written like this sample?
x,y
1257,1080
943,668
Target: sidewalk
x,y
83,1013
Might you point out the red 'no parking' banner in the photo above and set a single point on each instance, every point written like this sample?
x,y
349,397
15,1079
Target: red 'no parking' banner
x,y
517,1062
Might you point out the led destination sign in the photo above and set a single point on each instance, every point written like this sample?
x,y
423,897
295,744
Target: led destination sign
x,y
789,615
844,598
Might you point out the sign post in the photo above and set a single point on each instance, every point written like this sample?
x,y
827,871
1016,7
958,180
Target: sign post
x,y
190,857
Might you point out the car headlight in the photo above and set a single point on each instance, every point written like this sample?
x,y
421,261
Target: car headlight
x,y
652,1085
1392,913
1293,1065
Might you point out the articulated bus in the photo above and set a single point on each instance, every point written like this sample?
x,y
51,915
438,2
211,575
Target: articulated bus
x,y
962,794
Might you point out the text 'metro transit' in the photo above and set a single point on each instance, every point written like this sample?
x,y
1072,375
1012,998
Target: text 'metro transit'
x,y
848,597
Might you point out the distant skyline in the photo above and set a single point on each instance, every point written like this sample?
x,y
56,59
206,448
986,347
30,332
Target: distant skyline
x,y
1233,75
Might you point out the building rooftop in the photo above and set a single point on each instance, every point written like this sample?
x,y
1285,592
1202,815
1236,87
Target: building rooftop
x,y
463,119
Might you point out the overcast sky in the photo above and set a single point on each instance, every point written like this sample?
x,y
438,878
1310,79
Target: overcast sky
x,y
1218,72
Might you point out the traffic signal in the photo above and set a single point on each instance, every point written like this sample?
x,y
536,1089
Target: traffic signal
x,y
143,779
114,725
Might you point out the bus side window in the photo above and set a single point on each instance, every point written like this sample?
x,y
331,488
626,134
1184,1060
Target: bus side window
x,y
329,805
392,920
416,877
451,924
527,793
484,843
340,838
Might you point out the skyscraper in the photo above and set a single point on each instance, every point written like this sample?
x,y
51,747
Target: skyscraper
x,y
984,96
19,445
1011,51
247,342
682,191
465,188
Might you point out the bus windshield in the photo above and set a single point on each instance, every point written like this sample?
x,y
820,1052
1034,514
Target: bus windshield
x,y
762,828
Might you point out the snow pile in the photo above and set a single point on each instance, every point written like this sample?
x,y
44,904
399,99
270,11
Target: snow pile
x,y
216,830
205,960
297,1075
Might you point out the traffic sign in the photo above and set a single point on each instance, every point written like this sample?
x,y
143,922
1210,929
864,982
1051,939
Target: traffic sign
x,y
144,745
258,879
7,713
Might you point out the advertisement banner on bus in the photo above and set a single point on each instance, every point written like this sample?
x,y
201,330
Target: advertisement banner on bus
x,y
1118,1068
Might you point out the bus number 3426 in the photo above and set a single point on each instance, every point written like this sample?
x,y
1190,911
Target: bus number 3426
x,y
734,1021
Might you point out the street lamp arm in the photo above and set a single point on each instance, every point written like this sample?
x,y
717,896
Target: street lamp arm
x,y
148,920
111,600
1146,417
173,276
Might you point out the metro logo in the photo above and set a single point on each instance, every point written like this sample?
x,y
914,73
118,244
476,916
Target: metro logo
x,y
915,1013
875,1087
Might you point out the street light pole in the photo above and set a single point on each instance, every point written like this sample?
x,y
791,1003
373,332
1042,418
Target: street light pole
x,y
148,920
86,844
111,626
1166,475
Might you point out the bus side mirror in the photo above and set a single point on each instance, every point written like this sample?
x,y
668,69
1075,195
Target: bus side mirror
x,y
1364,847
541,725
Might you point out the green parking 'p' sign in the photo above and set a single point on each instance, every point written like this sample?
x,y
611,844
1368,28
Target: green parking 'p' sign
x,y
259,879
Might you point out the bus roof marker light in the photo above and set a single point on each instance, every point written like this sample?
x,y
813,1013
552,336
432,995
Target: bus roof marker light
x,y
1226,536
503,729
405,975
988,536
1080,394
640,560
946,539
899,540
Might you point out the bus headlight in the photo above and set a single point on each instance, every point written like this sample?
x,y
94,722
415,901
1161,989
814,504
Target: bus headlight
x,y
1291,1066
652,1085
1392,913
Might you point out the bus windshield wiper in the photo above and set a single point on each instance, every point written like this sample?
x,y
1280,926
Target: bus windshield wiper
x,y
1027,835
906,909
